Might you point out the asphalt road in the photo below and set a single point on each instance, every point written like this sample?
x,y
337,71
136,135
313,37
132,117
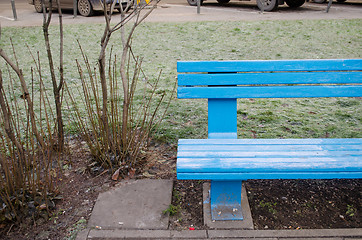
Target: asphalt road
x,y
180,11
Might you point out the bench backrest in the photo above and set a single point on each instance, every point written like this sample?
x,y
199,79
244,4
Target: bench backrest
x,y
222,82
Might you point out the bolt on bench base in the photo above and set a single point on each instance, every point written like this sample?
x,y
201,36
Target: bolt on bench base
x,y
246,223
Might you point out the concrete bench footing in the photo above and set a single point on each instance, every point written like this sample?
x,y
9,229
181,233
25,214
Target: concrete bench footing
x,y
246,223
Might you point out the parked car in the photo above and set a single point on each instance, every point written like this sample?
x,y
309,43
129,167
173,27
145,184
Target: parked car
x,y
266,5
85,7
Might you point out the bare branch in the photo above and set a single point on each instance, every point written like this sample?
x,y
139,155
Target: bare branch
x,y
26,96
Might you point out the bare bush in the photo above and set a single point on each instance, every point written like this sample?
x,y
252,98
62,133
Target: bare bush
x,y
27,168
121,114
28,163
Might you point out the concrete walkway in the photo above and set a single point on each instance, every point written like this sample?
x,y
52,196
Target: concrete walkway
x,y
180,11
133,210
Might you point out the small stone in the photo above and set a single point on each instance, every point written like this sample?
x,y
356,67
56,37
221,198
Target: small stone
x,y
266,227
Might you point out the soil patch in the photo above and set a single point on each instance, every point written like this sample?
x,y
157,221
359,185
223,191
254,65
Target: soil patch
x,y
296,204
79,186
281,204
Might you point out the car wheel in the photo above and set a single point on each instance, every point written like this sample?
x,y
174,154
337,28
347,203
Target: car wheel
x,y
319,1
38,6
85,8
194,2
223,1
269,5
294,3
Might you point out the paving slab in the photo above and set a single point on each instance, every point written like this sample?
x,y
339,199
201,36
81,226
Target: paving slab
x,y
247,223
303,233
135,204
82,234
95,234
187,234
303,238
309,234
247,238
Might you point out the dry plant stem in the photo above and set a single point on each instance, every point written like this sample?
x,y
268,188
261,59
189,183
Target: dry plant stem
x,y
26,96
56,88
102,72
10,133
125,83
101,64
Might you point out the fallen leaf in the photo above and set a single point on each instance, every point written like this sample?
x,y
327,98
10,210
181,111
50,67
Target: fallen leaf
x,y
131,172
115,175
287,129
147,174
43,206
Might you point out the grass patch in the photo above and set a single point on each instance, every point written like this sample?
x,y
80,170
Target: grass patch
x,y
162,44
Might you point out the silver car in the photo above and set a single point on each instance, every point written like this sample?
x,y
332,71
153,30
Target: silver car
x,y
85,7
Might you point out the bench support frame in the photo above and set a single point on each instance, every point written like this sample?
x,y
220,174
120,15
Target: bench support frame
x,y
225,196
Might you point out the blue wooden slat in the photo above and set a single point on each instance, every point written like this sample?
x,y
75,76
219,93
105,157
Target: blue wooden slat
x,y
270,92
270,78
270,65
268,148
269,175
246,164
297,141
266,154
229,165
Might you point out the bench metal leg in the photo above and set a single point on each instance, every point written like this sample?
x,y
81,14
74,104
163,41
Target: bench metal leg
x,y
225,197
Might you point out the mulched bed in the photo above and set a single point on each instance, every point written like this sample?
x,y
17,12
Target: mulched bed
x,y
296,204
282,204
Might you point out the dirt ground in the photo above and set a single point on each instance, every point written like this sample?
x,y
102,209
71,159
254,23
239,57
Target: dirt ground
x,y
180,11
281,204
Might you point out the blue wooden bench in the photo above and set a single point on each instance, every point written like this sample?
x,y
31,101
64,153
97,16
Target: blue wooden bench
x,y
226,160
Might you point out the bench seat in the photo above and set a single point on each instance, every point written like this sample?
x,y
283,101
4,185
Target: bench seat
x,y
242,159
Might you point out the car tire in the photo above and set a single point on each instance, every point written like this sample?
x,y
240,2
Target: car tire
x,y
319,1
223,1
38,6
294,3
85,8
194,2
269,5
